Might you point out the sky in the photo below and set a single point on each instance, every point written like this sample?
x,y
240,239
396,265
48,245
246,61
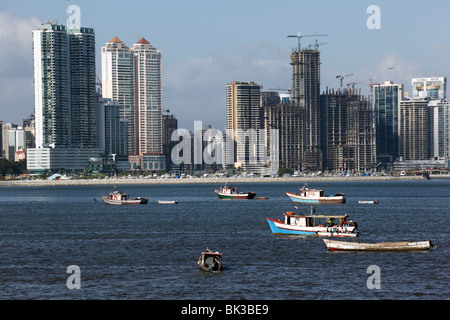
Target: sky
x,y
207,44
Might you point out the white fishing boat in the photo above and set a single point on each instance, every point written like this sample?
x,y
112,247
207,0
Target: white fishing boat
x,y
381,246
308,195
120,198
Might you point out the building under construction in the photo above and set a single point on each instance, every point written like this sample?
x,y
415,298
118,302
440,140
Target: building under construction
x,y
348,131
300,119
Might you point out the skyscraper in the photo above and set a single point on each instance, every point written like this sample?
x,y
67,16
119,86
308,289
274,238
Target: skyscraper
x,y
118,84
83,97
52,86
64,87
244,122
148,101
132,76
415,129
65,98
387,98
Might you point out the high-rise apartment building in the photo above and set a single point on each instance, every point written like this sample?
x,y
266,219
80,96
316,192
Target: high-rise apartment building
x,y
83,97
441,128
244,122
132,77
415,129
64,87
65,98
148,99
387,98
52,86
118,84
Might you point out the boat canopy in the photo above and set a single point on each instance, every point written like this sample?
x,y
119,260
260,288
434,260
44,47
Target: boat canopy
x,y
316,216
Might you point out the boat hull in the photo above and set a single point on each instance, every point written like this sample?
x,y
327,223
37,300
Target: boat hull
x,y
278,227
326,199
382,246
124,202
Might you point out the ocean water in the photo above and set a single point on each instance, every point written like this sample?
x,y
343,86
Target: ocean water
x,y
150,251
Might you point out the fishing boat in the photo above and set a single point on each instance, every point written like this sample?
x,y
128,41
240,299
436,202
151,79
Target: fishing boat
x,y
118,198
308,195
210,261
369,201
233,193
314,225
381,246
167,201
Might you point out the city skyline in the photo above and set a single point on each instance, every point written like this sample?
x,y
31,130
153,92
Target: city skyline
x,y
204,48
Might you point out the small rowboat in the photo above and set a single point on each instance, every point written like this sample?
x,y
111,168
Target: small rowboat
x,y
167,201
369,201
210,261
381,246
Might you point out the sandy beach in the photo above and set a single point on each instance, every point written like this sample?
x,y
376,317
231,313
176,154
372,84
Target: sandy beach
x,y
204,180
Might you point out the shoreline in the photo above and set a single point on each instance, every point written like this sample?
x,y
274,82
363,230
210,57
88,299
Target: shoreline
x,y
75,182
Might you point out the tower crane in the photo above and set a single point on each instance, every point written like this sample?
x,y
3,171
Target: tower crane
x,y
316,44
299,36
342,76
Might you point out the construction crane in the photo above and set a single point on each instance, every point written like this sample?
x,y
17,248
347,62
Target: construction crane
x,y
342,76
299,36
279,89
316,44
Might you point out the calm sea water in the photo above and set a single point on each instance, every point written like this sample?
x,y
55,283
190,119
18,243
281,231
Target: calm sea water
x,y
151,251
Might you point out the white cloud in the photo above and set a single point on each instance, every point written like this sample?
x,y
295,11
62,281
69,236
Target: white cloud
x,y
194,89
16,67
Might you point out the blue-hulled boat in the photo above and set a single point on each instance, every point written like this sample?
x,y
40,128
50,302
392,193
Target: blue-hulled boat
x,y
314,225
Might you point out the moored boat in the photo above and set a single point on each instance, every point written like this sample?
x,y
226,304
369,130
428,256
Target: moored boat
x,y
381,246
233,193
168,201
119,198
369,201
210,261
308,195
314,225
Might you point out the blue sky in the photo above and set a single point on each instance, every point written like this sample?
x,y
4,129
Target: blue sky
x,y
207,44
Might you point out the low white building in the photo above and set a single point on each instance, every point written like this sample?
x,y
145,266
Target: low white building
x,y
42,160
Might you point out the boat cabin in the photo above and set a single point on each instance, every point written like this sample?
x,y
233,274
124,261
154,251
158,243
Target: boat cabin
x,y
311,193
316,220
116,195
229,190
